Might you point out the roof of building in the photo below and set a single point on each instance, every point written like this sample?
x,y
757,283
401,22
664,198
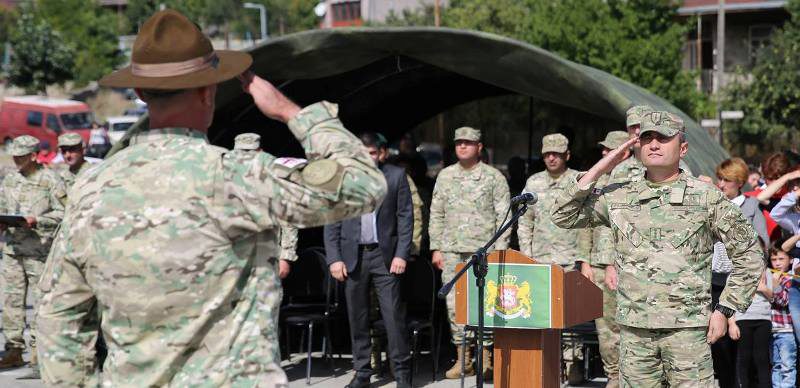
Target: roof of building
x,y
694,7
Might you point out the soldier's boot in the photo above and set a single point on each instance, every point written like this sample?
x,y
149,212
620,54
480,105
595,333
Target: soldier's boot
x,y
455,371
34,364
488,371
12,359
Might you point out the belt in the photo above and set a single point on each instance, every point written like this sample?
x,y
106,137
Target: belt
x,y
368,247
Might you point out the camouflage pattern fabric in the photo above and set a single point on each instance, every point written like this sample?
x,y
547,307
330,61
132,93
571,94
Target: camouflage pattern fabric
x,y
451,259
653,357
41,195
169,259
539,237
467,208
68,176
607,329
419,222
288,244
664,236
20,275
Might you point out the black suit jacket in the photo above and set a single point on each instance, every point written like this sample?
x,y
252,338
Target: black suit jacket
x,y
394,222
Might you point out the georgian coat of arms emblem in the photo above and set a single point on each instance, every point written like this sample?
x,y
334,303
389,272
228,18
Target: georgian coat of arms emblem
x,y
508,300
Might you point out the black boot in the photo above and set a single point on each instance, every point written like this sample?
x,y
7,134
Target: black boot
x,y
358,381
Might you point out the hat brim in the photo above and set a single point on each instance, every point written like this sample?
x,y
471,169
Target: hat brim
x,y
554,149
231,64
466,138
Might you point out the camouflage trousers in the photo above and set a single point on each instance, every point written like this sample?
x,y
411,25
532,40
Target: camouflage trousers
x,y
270,295
607,329
680,357
21,276
451,259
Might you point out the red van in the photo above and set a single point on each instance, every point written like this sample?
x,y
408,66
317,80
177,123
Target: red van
x,y
43,118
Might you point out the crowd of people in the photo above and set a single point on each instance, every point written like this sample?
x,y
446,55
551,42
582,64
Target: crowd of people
x,y
172,249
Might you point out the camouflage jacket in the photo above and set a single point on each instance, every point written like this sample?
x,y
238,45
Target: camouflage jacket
x,y
158,238
68,176
664,236
467,208
419,223
42,195
539,237
599,246
288,243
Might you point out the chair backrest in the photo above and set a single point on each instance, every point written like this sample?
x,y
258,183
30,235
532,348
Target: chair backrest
x,y
309,280
420,288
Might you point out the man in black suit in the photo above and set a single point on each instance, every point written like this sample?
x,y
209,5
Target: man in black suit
x,y
371,250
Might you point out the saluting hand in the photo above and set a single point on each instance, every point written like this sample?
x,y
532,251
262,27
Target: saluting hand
x,y
269,100
607,163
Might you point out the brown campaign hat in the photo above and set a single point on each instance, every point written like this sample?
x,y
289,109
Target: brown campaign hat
x,y
172,53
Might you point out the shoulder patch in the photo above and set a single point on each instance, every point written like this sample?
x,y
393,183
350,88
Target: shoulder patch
x,y
321,172
291,163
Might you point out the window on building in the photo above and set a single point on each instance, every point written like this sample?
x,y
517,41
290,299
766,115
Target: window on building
x,y
346,11
760,35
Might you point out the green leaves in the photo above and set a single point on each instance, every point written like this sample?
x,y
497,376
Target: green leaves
x,y
41,56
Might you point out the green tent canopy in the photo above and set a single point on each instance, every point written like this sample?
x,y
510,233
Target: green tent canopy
x,y
396,78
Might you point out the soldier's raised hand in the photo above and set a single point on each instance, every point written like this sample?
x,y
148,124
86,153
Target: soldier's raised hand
x,y
607,163
269,100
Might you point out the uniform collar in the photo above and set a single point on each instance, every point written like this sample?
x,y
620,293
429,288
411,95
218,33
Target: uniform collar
x,y
476,172
676,189
167,133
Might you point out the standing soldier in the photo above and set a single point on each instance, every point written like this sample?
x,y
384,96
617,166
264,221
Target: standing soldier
x,y
632,168
158,238
469,201
599,248
664,227
71,146
38,194
542,240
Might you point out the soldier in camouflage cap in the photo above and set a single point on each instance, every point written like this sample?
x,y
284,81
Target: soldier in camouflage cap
x,y
469,202
71,147
38,194
538,237
664,227
599,249
247,142
159,237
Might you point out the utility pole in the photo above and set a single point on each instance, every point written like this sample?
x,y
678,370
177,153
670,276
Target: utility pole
x,y
437,20
720,71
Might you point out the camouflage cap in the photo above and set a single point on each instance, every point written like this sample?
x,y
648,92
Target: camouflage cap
x,y
662,122
23,145
614,139
555,142
69,140
247,141
635,114
467,133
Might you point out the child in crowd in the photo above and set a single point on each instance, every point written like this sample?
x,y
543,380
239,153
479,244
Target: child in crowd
x,y
752,331
784,348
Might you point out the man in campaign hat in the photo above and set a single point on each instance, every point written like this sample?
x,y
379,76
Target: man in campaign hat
x,y
157,238
38,194
469,201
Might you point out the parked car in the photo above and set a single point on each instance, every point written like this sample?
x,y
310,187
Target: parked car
x,y
117,126
43,118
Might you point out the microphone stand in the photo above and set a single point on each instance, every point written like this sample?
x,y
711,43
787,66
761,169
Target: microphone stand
x,y
480,267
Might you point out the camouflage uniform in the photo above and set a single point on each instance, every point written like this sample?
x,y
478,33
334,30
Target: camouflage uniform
x,y
664,234
169,259
41,194
539,238
69,140
599,248
419,223
466,209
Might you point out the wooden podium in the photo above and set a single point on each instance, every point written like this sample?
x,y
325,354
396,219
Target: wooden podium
x,y
526,305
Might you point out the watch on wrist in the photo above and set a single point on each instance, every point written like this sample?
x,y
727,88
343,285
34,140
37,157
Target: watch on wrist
x,y
726,311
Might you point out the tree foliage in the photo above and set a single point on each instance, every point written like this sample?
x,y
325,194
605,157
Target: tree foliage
x,y
90,30
636,40
7,21
41,56
770,99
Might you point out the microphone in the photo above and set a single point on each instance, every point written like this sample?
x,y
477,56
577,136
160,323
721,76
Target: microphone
x,y
529,198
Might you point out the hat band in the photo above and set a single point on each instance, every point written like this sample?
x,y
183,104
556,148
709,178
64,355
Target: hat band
x,y
172,69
